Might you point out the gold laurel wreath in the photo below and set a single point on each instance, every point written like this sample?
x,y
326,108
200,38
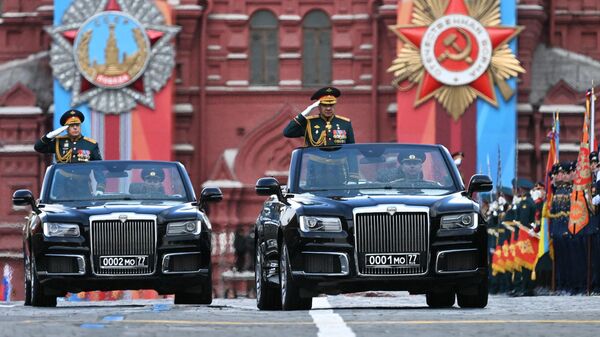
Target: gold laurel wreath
x,y
407,66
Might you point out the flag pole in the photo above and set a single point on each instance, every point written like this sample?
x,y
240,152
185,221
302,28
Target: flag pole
x,y
592,118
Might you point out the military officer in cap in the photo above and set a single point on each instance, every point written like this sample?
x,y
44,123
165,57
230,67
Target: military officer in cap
x,y
72,147
325,129
153,179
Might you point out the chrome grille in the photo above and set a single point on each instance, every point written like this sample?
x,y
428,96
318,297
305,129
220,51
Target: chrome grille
x,y
117,238
400,232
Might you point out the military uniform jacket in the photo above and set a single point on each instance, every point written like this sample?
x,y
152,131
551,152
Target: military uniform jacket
x,y
70,150
319,132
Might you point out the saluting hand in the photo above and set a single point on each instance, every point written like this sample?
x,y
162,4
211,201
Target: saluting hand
x,y
56,132
308,109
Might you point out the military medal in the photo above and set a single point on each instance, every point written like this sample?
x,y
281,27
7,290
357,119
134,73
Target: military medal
x,y
328,126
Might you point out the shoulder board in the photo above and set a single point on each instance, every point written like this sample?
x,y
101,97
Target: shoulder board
x,y
343,118
312,117
91,140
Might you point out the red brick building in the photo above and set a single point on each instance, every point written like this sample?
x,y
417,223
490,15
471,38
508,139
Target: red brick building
x,y
244,68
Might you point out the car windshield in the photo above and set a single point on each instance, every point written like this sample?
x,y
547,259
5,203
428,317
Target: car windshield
x,y
107,181
375,169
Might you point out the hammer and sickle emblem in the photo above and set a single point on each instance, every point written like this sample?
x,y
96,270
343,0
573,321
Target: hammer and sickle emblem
x,y
461,53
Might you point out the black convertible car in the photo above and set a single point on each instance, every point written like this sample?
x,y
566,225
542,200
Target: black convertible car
x,y
116,225
364,217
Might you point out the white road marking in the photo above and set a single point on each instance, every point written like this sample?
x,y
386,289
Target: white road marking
x,y
328,322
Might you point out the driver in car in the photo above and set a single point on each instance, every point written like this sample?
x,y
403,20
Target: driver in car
x,y
411,169
153,181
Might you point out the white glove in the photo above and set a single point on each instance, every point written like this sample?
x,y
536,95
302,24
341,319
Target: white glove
x,y
308,109
98,193
596,200
56,132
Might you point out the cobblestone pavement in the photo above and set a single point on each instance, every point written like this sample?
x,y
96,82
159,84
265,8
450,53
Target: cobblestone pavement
x,y
366,314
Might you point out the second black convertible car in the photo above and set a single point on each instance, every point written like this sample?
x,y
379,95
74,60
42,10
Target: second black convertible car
x,y
371,217
116,225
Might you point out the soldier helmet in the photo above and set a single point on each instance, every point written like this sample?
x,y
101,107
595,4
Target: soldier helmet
x,y
593,157
72,117
326,95
153,174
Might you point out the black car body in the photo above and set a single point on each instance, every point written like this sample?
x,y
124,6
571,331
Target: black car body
x,y
349,220
130,235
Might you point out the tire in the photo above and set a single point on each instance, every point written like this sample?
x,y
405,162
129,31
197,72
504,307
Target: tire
x,y
27,274
38,297
440,300
290,292
204,297
477,300
268,297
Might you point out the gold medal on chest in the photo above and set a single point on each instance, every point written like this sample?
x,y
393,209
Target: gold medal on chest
x,y
328,126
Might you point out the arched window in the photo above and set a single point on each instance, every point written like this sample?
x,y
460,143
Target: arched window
x,y
316,54
264,47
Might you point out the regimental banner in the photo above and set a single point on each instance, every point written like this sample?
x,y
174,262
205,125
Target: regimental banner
x,y
451,54
113,60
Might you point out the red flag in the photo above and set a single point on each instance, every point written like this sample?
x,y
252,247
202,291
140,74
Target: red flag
x,y
526,250
498,261
579,215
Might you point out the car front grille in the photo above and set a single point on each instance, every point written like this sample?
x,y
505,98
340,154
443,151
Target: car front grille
x,y
385,233
128,238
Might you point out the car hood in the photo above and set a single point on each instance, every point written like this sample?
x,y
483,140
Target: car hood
x,y
163,212
317,205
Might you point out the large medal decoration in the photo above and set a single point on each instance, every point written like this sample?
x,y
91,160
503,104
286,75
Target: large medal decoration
x,y
456,51
112,54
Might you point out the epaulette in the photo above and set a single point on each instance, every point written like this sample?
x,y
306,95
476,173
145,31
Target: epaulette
x,y
343,118
91,140
312,117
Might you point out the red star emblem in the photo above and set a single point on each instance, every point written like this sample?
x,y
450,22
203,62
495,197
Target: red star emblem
x,y
455,50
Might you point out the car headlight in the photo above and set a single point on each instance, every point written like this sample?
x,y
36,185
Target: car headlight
x,y
184,227
458,221
320,224
53,229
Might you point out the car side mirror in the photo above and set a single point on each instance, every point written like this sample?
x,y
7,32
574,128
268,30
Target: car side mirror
x,y
211,194
24,198
269,186
479,183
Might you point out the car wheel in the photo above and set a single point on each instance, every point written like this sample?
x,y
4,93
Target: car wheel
x,y
268,297
27,274
290,292
440,299
204,297
477,300
38,298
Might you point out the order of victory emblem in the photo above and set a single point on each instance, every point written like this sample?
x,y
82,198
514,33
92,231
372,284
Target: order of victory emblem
x,y
112,54
456,50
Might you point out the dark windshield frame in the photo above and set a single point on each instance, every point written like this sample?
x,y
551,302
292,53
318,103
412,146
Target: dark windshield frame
x,y
300,153
126,164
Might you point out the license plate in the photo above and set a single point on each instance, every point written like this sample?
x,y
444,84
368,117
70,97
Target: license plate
x,y
124,262
397,260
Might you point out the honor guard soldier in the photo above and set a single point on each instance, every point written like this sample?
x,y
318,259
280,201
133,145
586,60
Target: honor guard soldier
x,y
325,129
72,147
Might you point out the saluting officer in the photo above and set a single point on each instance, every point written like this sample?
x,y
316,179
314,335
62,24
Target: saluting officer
x,y
72,147
325,129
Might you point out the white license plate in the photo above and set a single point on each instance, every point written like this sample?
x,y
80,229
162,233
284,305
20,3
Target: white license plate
x,y
124,262
396,260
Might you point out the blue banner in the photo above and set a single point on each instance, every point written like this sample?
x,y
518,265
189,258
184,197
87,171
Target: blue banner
x,y
62,97
497,126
